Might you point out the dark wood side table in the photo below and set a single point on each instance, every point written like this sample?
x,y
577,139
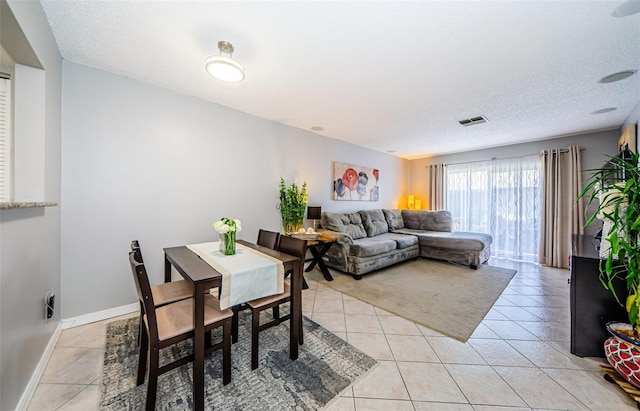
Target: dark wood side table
x,y
318,249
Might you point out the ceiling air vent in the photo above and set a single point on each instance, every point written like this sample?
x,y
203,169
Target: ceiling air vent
x,y
473,121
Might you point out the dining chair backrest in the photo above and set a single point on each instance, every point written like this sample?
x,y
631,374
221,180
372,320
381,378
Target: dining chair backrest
x,y
292,246
268,239
143,287
135,246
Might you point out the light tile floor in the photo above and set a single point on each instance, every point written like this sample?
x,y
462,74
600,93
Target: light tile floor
x,y
517,359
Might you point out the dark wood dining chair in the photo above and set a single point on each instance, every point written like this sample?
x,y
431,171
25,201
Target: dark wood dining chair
x,y
294,247
163,293
170,324
267,239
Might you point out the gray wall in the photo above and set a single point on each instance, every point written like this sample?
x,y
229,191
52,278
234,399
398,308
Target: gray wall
x,y
145,163
633,118
30,238
597,146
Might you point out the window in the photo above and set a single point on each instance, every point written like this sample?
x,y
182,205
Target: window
x,y
5,139
499,197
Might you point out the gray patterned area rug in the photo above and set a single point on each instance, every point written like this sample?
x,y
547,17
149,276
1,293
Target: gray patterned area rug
x,y
326,367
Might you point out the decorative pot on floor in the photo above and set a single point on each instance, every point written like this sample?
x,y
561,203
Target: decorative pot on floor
x,y
623,352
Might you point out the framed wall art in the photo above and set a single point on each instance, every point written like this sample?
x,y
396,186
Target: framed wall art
x,y
627,140
355,183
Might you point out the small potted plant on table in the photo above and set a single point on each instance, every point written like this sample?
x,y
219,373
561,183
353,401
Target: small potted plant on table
x,y
293,202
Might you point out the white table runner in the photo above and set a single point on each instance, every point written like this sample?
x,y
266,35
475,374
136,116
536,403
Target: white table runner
x,y
246,275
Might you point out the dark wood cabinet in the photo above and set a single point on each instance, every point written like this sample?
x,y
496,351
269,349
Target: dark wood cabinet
x,y
592,306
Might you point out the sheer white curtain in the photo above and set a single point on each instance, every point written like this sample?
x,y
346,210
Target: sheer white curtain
x,y
499,197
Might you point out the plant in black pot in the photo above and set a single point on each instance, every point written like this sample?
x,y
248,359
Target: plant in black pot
x,y
615,190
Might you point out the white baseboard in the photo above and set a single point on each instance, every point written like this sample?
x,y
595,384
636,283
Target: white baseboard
x,y
100,315
30,389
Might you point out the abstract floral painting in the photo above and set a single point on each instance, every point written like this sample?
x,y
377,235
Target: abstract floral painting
x,y
627,140
355,183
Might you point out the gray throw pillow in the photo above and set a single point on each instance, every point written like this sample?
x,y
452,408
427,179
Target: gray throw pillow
x,y
427,220
394,219
349,223
374,222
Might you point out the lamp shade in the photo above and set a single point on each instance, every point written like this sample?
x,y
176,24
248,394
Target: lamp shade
x,y
314,212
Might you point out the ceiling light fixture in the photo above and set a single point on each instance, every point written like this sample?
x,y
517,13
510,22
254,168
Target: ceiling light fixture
x,y
604,110
627,8
225,68
621,75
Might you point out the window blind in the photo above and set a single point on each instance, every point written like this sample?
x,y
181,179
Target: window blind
x,y
5,139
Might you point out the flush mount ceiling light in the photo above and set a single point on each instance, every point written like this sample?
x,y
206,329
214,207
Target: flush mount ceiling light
x,y
618,76
225,68
604,110
627,8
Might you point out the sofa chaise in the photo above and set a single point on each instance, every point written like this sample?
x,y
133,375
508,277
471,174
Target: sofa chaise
x,y
368,240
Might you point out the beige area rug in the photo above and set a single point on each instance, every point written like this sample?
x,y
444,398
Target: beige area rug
x,y
445,297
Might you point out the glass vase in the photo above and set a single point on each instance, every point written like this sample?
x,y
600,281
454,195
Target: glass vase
x,y
293,228
228,243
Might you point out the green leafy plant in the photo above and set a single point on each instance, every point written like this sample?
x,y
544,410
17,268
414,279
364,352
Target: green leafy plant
x,y
616,190
293,202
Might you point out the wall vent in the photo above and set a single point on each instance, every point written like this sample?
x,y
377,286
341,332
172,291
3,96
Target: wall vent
x,y
473,121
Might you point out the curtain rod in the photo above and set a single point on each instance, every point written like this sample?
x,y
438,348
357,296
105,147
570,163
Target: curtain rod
x,y
562,150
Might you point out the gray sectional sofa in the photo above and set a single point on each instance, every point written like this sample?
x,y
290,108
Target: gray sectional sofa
x,y
372,239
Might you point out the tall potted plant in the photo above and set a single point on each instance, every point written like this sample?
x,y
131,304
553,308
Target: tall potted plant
x,y
616,191
293,202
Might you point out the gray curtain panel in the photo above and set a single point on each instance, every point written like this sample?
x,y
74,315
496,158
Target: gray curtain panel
x,y
436,175
562,213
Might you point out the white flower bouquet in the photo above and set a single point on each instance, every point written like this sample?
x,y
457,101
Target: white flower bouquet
x,y
226,225
227,228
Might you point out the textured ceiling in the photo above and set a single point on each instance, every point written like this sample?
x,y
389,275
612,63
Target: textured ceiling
x,y
390,76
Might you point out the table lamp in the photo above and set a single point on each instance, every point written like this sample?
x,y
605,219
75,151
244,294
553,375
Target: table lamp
x,y
314,213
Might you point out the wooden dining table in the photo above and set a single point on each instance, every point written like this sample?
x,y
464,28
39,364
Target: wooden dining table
x,y
203,277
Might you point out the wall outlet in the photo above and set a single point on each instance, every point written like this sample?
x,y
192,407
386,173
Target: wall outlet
x,y
49,305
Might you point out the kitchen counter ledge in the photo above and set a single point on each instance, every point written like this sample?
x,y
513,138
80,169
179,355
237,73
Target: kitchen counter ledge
x,y
27,204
